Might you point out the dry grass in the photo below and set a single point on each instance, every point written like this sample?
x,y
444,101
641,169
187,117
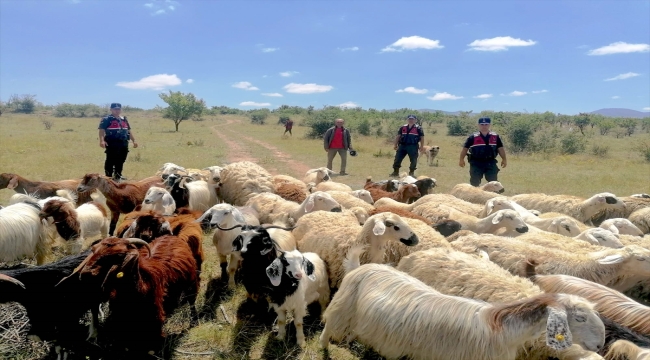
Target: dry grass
x,y
70,149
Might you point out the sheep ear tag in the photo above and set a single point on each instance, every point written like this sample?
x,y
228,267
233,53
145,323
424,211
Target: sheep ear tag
x,y
379,228
558,335
274,272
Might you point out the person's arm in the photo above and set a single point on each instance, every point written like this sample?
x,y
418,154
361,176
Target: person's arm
x,y
135,144
463,153
396,142
326,143
102,133
421,143
349,140
502,153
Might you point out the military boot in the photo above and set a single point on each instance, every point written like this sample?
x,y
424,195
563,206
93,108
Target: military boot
x,y
395,173
412,173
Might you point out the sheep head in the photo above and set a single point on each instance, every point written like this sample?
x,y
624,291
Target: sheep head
x,y
148,227
364,195
510,219
565,226
389,226
320,200
621,226
447,227
5,178
498,203
322,174
607,200
53,207
360,213
573,320
90,182
255,240
292,264
634,259
221,214
493,186
602,237
408,191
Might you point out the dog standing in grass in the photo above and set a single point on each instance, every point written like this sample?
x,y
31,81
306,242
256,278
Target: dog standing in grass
x,y
430,152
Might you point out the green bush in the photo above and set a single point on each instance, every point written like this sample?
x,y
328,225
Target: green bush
x,y
283,120
573,143
545,141
599,150
519,134
644,150
318,128
80,110
364,127
25,104
460,127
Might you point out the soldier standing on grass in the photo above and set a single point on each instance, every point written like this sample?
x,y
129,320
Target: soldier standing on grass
x,y
287,127
337,140
481,149
406,143
114,136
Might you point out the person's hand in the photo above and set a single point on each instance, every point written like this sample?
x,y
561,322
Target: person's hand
x,y
325,149
394,147
135,144
461,163
504,163
102,144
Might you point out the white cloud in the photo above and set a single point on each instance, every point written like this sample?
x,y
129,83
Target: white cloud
x,y
149,5
646,108
154,82
268,50
517,93
539,91
354,48
171,7
623,76
272,94
483,96
159,12
307,88
245,85
348,105
620,48
499,43
412,90
616,97
444,96
189,81
253,103
412,43
288,73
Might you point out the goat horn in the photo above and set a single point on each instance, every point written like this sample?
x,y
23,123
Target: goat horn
x,y
136,241
77,269
280,227
227,229
11,280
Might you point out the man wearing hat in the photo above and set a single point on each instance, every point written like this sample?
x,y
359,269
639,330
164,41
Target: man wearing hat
x,y
114,136
409,141
481,149
337,140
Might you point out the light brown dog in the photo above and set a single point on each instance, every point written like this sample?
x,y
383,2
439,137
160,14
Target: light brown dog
x,y
430,152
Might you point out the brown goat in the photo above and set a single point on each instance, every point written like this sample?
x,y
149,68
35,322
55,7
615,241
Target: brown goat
x,y
400,212
388,185
143,286
402,195
121,198
151,225
42,189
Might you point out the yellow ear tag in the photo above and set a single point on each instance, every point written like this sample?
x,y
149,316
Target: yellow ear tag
x,y
121,274
558,337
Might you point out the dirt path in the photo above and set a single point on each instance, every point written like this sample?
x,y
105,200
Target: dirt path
x,y
238,151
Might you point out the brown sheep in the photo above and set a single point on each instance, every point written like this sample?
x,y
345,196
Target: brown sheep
x,y
400,212
402,195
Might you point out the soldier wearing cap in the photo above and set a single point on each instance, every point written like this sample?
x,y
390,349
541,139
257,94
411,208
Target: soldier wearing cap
x,y
409,141
481,149
114,135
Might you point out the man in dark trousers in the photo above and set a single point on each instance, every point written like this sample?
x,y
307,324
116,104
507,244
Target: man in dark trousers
x,y
337,140
481,149
114,136
409,141
287,127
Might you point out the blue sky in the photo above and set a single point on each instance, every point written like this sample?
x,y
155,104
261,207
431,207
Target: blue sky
x,y
562,56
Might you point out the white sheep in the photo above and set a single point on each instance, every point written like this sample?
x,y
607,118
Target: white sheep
x,y
399,316
623,349
641,218
477,195
617,268
226,216
621,226
317,176
508,219
242,180
171,168
215,173
428,238
356,198
22,233
599,236
330,186
299,279
201,195
160,200
332,243
582,209
271,206
317,219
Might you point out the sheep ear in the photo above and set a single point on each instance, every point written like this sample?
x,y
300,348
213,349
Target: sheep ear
x,y
310,171
206,214
130,231
309,206
379,228
611,259
309,268
167,200
490,207
613,229
558,334
497,218
12,183
239,217
237,244
274,272
164,176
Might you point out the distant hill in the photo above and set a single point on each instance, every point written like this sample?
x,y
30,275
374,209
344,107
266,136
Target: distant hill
x,y
617,112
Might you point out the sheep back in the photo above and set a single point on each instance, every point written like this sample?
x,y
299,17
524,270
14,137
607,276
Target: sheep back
x,y
242,180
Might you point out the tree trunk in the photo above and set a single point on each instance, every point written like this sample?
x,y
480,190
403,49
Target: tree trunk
x,y
176,123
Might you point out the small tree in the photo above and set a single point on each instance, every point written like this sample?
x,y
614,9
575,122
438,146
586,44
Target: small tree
x,y
25,104
605,126
581,121
629,125
181,106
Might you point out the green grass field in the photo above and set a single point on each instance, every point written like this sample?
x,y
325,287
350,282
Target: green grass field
x,y
70,149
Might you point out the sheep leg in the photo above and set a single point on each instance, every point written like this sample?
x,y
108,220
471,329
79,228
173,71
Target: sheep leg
x,y
104,229
235,259
115,215
282,323
325,337
298,315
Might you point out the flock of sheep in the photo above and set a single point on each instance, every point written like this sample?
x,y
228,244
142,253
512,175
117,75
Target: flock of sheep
x,y
408,272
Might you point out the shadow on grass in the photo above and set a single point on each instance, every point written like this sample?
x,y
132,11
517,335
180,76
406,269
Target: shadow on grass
x,y
217,292
253,321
